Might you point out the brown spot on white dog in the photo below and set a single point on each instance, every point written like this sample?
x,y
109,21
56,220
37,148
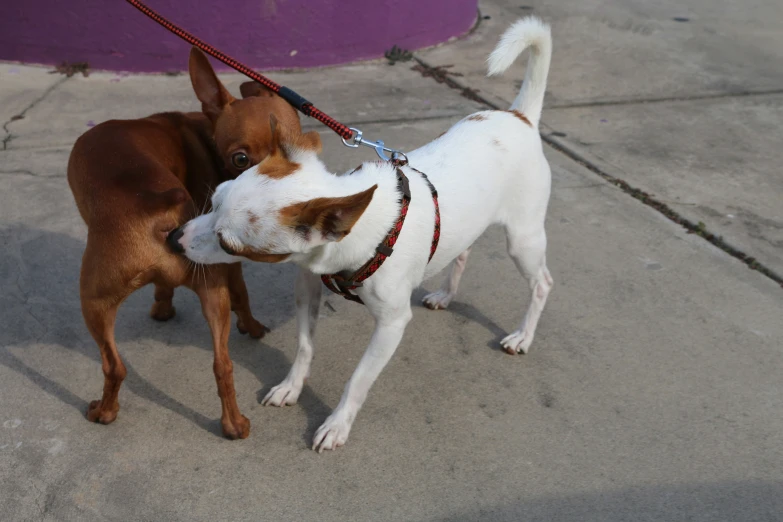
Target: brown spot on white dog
x,y
286,142
277,166
252,221
262,257
521,117
476,117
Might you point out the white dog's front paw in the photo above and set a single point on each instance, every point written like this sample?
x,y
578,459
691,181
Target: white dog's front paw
x,y
285,393
437,300
517,342
332,434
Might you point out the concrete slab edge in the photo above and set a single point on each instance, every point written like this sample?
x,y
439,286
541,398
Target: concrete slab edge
x,y
665,99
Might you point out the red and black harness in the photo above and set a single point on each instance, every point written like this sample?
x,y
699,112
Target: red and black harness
x,y
343,285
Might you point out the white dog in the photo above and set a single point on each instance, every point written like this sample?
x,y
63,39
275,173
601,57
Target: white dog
x,y
488,168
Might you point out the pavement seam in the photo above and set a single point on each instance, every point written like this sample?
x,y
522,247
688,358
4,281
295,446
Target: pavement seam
x,y
440,75
8,136
27,172
699,228
666,99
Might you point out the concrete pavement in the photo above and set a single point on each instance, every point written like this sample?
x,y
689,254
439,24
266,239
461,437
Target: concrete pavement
x,y
652,391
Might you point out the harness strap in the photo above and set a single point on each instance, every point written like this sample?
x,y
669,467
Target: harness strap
x,y
436,231
343,285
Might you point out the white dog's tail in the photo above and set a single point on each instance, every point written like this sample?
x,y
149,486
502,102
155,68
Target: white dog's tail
x,y
527,32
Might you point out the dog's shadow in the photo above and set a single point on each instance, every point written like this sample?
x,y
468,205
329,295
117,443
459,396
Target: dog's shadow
x,y
468,313
39,293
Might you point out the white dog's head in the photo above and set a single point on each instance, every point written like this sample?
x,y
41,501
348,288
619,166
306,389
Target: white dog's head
x,y
288,204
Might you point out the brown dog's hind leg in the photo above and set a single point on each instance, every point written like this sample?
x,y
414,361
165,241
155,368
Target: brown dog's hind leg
x,y
162,309
240,303
216,305
99,315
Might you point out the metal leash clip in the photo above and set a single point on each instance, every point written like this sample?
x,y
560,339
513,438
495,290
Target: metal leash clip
x,y
380,149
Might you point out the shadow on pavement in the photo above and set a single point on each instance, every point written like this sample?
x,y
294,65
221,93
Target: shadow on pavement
x,y
39,294
470,313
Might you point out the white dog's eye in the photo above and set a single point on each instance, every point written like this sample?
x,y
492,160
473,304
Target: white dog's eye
x,y
304,231
225,246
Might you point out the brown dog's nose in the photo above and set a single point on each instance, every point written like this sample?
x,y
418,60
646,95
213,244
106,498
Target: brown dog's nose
x,y
173,241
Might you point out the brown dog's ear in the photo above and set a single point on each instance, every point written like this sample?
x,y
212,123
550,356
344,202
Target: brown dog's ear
x,y
211,93
249,89
332,217
276,141
282,135
309,141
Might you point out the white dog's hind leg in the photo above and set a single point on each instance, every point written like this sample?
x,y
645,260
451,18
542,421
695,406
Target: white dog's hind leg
x,y
387,335
441,298
529,254
308,301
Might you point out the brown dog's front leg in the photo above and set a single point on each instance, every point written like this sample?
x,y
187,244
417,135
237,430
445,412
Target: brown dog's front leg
x,y
240,304
216,305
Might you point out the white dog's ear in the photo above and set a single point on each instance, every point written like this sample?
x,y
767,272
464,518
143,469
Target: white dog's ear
x,y
332,217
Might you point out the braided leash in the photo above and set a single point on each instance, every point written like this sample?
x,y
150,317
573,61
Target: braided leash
x,y
304,106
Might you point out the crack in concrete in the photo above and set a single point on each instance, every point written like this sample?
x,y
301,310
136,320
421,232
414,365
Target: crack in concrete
x,y
8,136
441,75
588,186
693,228
27,172
41,508
21,171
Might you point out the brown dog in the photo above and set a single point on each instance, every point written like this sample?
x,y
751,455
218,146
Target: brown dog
x,y
136,180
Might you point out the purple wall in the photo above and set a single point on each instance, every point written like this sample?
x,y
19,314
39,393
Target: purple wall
x,y
112,34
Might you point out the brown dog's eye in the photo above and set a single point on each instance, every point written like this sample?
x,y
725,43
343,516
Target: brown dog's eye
x,y
240,160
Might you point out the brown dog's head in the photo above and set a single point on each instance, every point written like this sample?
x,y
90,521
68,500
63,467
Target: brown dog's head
x,y
241,127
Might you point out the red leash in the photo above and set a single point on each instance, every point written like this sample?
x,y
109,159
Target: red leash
x,y
304,106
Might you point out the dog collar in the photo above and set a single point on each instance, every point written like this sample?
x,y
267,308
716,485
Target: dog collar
x,y
343,285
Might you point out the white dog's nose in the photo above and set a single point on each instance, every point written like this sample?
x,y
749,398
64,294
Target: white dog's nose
x,y
173,241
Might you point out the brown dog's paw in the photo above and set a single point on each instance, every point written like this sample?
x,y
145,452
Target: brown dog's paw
x,y
162,310
254,328
96,413
238,428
